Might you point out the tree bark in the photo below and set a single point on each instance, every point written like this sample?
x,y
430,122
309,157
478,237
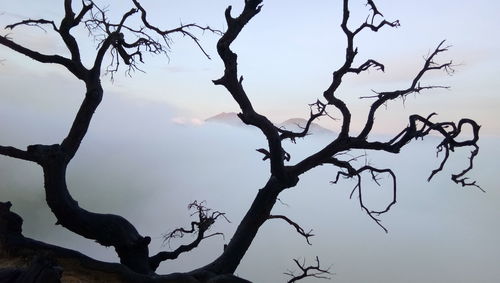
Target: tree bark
x,y
247,229
18,253
106,229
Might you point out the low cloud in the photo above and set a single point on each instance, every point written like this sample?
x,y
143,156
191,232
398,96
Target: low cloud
x,y
187,121
135,162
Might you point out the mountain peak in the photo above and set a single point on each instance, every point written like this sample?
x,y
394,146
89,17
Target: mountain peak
x,y
298,124
293,124
230,118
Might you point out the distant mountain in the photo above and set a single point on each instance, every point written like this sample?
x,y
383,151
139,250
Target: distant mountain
x,y
294,124
230,118
298,124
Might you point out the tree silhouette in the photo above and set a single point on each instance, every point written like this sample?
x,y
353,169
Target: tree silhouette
x,y
126,43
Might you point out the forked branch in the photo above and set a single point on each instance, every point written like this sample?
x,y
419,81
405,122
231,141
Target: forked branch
x,y
182,29
297,227
129,43
415,87
374,176
314,271
317,110
464,181
351,52
366,65
206,218
40,57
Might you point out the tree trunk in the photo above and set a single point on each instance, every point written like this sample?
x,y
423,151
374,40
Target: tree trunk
x,y
106,229
247,230
18,255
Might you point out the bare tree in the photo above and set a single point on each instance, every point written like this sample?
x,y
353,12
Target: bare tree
x,y
286,176
127,44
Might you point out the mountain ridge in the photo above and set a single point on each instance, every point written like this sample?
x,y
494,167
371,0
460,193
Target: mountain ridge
x,y
292,124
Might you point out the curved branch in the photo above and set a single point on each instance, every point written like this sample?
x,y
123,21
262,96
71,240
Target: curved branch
x,y
415,87
351,53
234,85
85,9
43,58
81,123
320,109
366,65
160,257
372,170
200,227
105,229
460,179
183,29
448,130
443,162
374,9
297,227
376,27
70,21
33,23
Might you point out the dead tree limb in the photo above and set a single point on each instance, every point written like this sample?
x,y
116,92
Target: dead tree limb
x,y
283,177
206,218
297,227
124,42
314,271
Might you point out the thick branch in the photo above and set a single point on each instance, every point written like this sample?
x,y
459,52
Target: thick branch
x,y
17,250
234,85
321,157
106,229
82,120
17,153
257,215
155,260
42,58
68,22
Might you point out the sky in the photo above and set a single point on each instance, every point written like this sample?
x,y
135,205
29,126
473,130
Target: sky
x,y
152,123
287,63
